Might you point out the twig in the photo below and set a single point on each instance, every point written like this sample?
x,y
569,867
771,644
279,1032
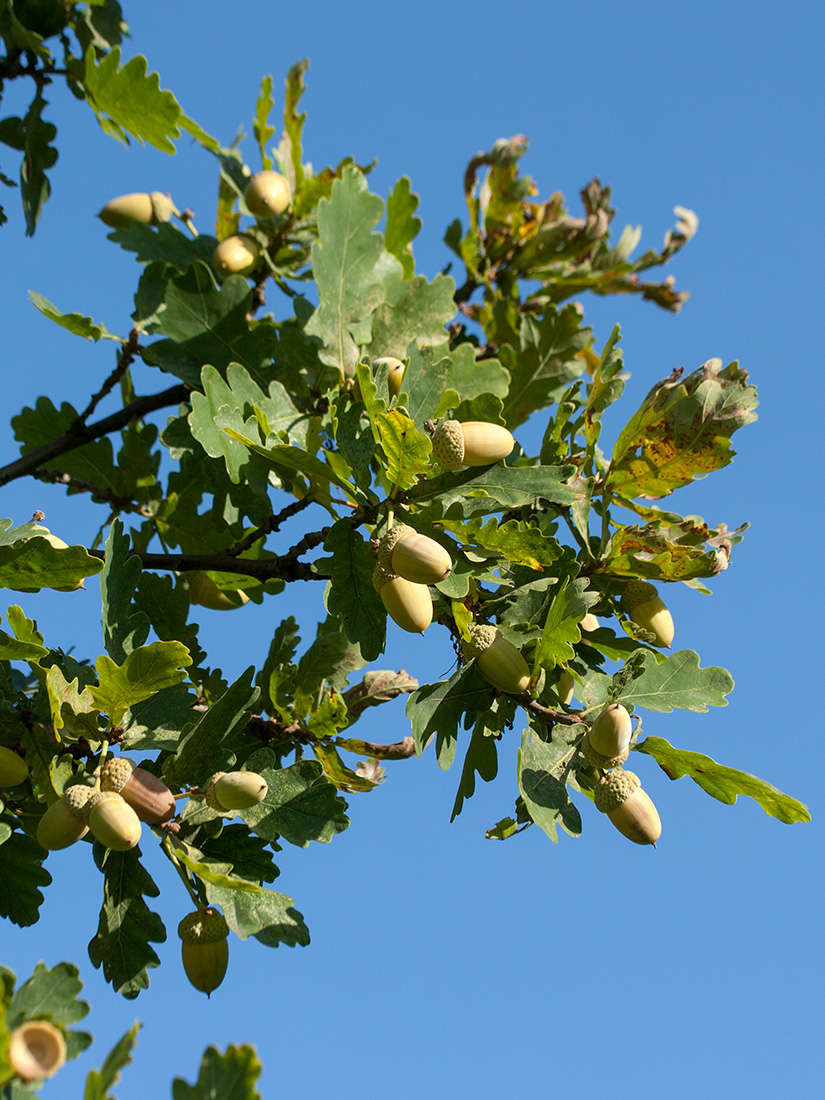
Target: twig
x,y
124,361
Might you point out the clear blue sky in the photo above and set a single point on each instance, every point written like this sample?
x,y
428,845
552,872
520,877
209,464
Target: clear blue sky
x,y
442,964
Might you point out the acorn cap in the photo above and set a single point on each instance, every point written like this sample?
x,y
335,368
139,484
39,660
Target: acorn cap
x,y
448,444
116,773
203,926
387,544
77,798
615,789
597,760
37,1050
638,592
162,207
480,637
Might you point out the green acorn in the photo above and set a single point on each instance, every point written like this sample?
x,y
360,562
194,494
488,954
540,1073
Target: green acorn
x,y
619,795
267,194
498,660
148,796
204,948
66,820
235,255
36,1051
607,742
472,443
148,208
396,373
113,822
408,604
13,768
227,791
565,688
648,610
414,557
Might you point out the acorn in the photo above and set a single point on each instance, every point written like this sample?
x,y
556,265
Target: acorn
x,y
204,948
150,209
474,443
36,1050
148,796
607,742
236,255
498,660
204,592
227,791
414,557
113,821
589,622
648,610
65,821
565,688
408,604
619,795
267,193
396,375
13,768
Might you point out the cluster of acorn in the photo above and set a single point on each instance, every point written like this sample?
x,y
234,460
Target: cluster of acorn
x,y
114,812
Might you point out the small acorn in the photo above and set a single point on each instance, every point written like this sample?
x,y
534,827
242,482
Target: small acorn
x,y
65,821
565,688
235,255
498,660
148,796
589,622
396,375
149,208
607,742
648,610
619,795
473,443
267,193
204,948
204,592
408,604
36,1050
227,791
414,557
13,768
113,821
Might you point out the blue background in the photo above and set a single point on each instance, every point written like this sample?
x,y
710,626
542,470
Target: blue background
x,y
443,964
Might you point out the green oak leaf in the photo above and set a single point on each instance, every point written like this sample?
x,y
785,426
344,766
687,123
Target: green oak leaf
x,y
351,595
158,722
542,771
408,451
52,994
264,914
21,875
498,488
164,243
229,1076
425,380
521,543
606,387
146,670
682,431
93,462
214,873
721,782
36,137
354,440
420,314
561,626
99,1082
436,709
300,804
127,926
666,552
402,225
261,127
124,629
73,322
481,757
249,856
469,377
676,682
34,564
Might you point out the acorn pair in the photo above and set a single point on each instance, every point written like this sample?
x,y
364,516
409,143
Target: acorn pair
x,y
407,563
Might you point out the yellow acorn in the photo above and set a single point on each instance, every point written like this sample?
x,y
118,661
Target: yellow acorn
x,y
498,660
113,821
204,948
65,821
267,193
13,768
408,604
204,592
565,688
472,443
37,1050
149,208
396,375
148,795
235,255
228,791
619,795
607,742
414,557
589,622
648,610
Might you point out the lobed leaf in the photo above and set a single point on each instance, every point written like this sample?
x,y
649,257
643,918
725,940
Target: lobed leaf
x,y
300,804
229,1076
21,876
676,682
542,772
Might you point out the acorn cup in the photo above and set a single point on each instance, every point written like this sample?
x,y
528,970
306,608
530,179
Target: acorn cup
x,y
648,610
148,795
414,557
227,791
65,821
204,948
235,255
408,604
619,795
472,443
607,742
113,822
150,208
498,660
13,768
36,1050
267,194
